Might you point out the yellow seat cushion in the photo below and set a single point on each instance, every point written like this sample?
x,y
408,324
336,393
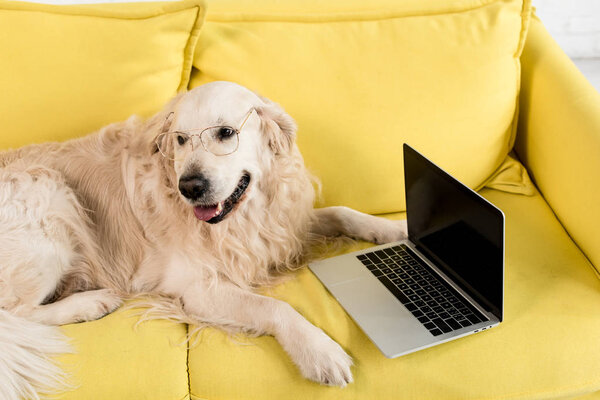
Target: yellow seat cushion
x,y
361,78
114,359
547,346
559,137
69,70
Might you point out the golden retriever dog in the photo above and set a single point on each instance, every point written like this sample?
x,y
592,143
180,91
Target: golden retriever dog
x,y
202,203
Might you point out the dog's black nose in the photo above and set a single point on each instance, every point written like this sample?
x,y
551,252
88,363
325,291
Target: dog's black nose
x,y
193,187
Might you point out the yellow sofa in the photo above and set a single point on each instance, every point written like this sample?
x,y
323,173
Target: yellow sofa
x,y
549,343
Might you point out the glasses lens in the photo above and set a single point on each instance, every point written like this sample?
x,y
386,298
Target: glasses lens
x,y
162,141
167,141
220,140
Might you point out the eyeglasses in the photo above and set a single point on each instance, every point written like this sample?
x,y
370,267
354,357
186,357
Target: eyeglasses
x,y
220,140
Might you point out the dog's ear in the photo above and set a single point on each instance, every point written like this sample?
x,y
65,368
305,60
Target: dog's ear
x,y
163,126
277,126
161,123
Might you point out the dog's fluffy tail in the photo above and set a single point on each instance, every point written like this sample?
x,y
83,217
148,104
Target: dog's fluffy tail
x,y
26,367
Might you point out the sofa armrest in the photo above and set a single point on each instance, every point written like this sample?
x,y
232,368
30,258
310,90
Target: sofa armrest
x,y
558,137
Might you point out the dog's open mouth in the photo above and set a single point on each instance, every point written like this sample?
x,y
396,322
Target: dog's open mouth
x,y
216,213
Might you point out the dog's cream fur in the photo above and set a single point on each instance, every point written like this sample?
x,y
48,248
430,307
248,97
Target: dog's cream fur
x,y
90,221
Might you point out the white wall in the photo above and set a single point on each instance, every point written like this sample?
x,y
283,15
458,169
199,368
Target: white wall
x,y
574,24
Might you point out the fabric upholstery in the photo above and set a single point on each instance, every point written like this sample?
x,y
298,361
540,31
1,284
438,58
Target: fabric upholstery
x,y
115,359
559,137
442,76
69,70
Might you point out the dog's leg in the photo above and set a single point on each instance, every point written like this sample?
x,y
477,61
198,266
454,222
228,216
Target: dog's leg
x,y
318,357
78,307
336,221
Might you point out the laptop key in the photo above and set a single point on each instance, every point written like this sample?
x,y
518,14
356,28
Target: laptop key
x,y
397,281
473,318
372,267
435,332
426,297
410,306
381,254
442,325
415,286
453,324
373,257
417,313
362,257
429,325
408,292
431,315
425,309
413,297
419,303
423,319
395,291
389,252
465,323
444,315
431,303
377,273
402,286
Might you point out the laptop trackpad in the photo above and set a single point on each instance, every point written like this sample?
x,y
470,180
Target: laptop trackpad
x,y
381,316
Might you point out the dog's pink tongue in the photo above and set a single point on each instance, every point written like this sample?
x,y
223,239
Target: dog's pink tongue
x,y
205,213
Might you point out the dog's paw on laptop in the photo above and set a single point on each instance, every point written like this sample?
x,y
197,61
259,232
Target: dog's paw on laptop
x,y
387,231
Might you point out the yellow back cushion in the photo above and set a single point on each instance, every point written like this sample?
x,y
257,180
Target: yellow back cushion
x,y
68,70
361,78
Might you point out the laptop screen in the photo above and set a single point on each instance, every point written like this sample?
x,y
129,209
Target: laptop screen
x,y
457,229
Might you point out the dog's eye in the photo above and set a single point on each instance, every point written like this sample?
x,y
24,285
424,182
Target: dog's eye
x,y
225,132
181,139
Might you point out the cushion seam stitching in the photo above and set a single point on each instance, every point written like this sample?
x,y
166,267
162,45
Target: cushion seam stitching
x,y
326,18
81,11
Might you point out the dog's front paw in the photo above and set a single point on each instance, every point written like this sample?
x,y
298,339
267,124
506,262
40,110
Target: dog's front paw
x,y
320,358
387,231
98,304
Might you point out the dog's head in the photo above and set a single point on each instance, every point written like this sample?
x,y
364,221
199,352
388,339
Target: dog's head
x,y
219,137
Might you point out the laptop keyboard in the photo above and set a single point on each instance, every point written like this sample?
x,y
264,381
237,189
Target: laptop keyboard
x,y
437,305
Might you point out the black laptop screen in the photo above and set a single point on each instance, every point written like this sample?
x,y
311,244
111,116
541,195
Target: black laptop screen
x,y
457,229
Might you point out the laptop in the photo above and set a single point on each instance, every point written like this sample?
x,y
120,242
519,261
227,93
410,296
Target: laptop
x,y
444,282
